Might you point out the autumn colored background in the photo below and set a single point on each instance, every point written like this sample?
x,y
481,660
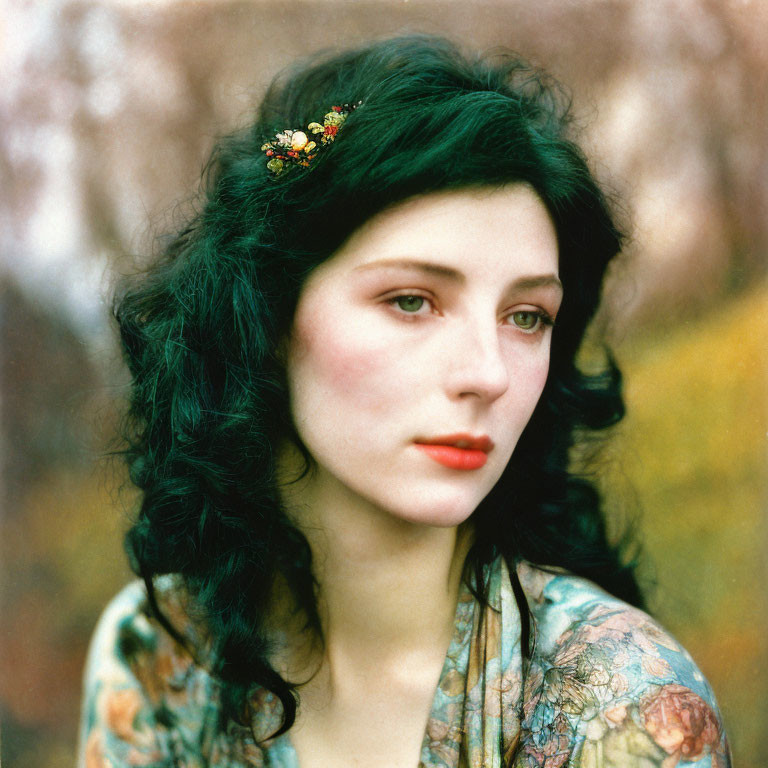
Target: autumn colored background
x,y
107,112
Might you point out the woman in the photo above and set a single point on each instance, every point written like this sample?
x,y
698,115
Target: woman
x,y
354,397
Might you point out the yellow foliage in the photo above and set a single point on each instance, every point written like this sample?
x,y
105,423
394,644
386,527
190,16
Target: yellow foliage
x,y
693,450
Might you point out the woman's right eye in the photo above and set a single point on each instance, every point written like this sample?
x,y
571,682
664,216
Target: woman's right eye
x,y
409,303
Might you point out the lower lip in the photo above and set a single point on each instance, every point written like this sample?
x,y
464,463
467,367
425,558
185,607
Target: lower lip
x,y
454,458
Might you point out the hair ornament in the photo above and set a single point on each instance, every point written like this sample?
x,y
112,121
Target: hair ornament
x,y
300,147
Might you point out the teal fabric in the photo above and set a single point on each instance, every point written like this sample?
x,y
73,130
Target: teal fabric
x,y
605,687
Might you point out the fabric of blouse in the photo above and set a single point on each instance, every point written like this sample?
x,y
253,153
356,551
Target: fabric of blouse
x,y
605,687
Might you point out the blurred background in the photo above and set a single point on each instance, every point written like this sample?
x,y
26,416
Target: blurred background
x,y
107,113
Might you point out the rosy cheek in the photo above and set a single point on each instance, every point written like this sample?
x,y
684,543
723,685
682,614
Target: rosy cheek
x,y
529,377
540,373
344,361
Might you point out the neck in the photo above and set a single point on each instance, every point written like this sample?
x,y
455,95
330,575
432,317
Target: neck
x,y
386,587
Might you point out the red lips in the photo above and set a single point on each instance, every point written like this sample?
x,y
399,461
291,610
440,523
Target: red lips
x,y
459,451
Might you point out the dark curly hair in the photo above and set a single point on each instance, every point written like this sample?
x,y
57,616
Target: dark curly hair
x,y
200,331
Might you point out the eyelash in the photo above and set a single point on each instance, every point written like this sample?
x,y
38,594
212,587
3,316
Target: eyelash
x,y
393,301
543,318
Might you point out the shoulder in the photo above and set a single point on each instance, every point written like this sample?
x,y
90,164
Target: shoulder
x,y
145,699
606,682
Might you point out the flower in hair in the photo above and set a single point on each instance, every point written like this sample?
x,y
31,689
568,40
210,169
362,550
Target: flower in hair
x,y
297,148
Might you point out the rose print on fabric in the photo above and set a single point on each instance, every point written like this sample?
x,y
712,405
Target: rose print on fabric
x,y
680,722
607,695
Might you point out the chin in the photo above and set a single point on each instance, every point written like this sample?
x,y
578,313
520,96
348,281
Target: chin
x,y
436,511
439,519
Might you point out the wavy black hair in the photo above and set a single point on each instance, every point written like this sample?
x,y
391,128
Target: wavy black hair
x,y
200,331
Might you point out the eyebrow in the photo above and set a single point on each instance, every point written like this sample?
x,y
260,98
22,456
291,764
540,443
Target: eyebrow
x,y
428,267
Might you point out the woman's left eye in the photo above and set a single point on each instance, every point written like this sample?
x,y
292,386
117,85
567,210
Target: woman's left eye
x,y
529,320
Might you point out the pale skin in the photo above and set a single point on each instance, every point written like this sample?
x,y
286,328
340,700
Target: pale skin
x,y
433,319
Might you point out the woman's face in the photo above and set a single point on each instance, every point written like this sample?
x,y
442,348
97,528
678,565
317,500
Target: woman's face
x,y
419,351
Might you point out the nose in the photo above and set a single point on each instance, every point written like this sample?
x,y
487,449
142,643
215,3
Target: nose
x,y
476,366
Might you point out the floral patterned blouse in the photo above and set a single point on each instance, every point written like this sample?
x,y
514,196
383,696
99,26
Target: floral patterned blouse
x,y
605,687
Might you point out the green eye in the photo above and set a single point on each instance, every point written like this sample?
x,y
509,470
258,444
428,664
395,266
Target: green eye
x,y
410,303
526,321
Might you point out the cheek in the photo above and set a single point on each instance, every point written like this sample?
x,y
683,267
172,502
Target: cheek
x,y
528,384
539,374
333,364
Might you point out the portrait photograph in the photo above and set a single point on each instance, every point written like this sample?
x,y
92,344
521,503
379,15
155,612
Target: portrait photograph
x,y
384,383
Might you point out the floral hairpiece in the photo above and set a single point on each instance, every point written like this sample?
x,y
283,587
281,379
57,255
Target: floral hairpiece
x,y
296,148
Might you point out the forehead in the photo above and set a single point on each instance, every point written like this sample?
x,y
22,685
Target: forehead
x,y
506,229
